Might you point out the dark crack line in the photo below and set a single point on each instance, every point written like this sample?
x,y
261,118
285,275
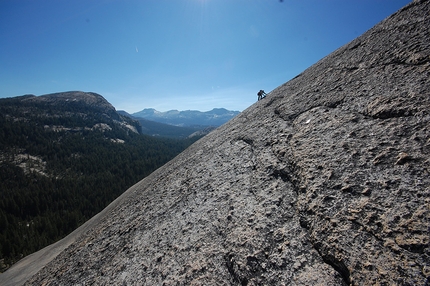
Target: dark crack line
x,y
337,265
290,173
229,262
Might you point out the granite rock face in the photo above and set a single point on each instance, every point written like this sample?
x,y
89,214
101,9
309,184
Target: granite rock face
x,y
324,182
77,98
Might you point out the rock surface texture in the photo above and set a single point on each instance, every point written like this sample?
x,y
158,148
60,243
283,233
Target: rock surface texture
x,y
324,182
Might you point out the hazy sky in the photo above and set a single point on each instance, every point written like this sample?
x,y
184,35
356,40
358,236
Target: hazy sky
x,y
173,54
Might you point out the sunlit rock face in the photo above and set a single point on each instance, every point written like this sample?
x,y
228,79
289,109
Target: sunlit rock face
x,y
323,182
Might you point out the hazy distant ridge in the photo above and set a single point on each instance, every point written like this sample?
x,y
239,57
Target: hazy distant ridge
x,y
154,128
214,117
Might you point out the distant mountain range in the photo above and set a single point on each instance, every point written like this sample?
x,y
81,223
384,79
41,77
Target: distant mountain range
x,y
158,129
188,118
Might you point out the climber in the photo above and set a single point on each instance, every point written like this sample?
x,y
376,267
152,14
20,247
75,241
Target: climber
x,y
261,94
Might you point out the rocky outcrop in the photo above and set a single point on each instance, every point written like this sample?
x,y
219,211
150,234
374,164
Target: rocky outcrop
x,y
88,99
323,182
76,102
71,104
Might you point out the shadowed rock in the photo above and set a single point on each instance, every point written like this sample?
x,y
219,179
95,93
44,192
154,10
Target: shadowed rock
x,y
325,181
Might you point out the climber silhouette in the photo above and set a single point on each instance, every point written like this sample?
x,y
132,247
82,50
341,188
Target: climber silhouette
x,y
261,94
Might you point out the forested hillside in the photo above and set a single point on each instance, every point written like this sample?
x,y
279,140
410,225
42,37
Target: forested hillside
x,y
62,160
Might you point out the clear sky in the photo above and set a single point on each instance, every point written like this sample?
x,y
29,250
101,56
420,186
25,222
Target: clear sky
x,y
173,54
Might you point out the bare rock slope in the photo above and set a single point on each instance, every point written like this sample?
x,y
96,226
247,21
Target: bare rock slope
x,y
324,182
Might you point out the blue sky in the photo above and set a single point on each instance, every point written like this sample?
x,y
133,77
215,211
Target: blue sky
x,y
173,54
